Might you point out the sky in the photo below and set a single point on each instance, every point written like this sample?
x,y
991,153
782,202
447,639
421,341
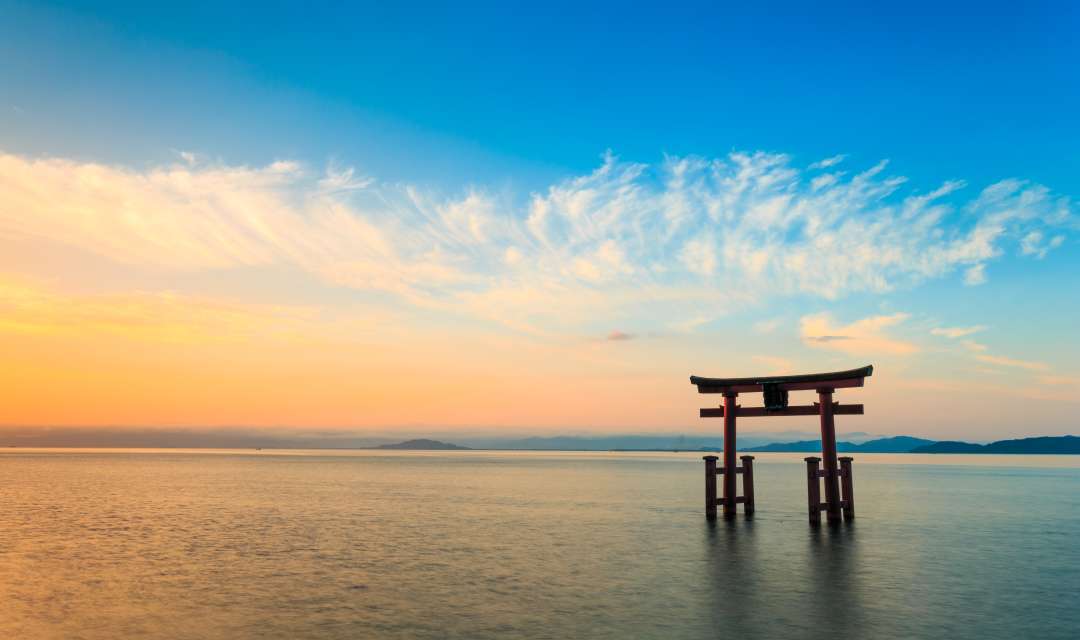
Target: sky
x,y
530,219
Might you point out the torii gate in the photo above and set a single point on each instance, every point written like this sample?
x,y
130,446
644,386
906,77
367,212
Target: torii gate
x,y
775,390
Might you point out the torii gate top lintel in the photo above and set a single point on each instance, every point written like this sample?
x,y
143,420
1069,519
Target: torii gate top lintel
x,y
835,380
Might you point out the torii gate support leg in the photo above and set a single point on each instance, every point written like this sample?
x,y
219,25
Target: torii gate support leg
x,y
748,484
730,409
710,487
813,489
828,454
848,485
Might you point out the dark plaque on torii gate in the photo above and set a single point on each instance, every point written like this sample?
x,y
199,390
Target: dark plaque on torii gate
x,y
775,390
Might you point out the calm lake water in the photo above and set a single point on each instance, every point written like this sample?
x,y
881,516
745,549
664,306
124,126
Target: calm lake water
x,y
199,544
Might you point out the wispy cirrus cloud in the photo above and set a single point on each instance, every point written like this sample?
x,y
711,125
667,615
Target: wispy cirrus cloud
x,y
828,162
971,345
1012,362
624,240
981,352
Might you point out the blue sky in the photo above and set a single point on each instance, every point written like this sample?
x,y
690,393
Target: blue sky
x,y
943,90
483,149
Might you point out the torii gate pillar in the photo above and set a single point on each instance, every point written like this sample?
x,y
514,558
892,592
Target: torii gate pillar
x,y
729,455
828,454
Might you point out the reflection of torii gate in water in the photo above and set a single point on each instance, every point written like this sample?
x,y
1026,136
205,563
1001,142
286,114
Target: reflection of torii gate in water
x,y
775,389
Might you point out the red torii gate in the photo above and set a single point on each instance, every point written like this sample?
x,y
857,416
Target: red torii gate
x,y
775,391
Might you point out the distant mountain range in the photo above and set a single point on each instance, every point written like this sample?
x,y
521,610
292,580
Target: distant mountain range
x,y
908,444
237,437
423,444
285,438
1043,445
668,442
896,444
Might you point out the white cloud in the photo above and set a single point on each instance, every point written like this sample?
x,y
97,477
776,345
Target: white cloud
x,y
975,275
971,345
687,325
826,180
512,256
1032,244
1012,362
862,337
338,179
698,256
981,353
957,332
828,162
689,238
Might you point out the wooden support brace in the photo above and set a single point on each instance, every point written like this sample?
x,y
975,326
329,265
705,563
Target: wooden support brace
x,y
801,410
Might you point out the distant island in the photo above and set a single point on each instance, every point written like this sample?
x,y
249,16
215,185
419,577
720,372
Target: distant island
x,y
423,444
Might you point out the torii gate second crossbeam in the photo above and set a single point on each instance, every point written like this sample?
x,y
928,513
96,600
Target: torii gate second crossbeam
x,y
775,391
